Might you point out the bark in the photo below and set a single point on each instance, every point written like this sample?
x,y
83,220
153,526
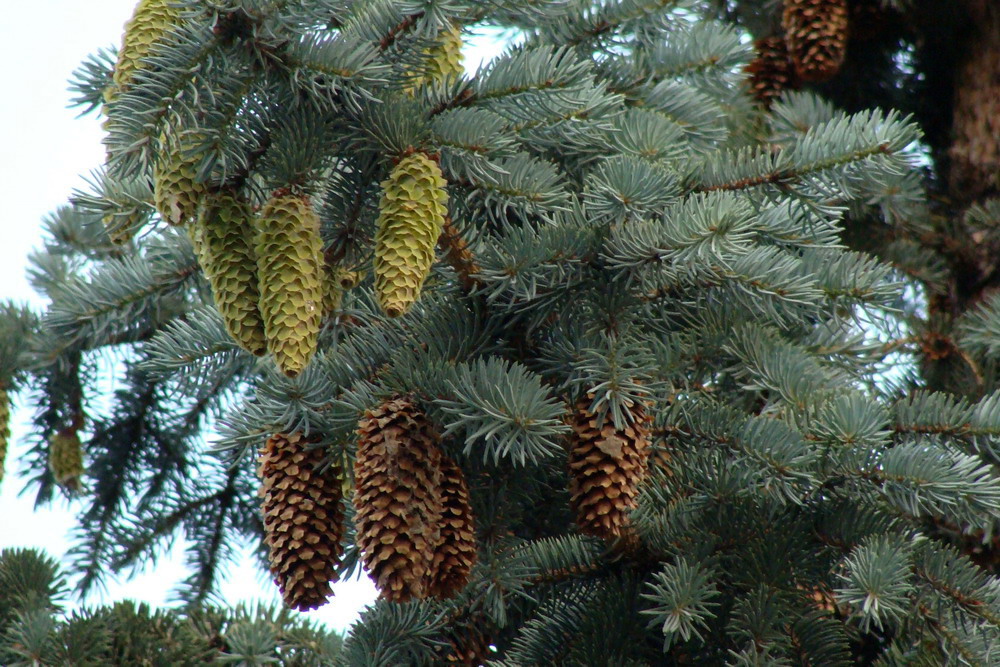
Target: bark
x,y
974,171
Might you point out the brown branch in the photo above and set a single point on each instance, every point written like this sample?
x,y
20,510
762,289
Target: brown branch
x,y
459,257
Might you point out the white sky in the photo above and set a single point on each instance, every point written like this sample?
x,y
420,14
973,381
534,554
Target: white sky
x,y
44,151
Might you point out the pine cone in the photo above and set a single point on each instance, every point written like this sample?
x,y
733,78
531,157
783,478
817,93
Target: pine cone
x,y
4,428
176,190
606,465
411,213
289,270
303,519
151,21
771,72
816,35
444,60
230,265
469,645
397,477
456,554
66,459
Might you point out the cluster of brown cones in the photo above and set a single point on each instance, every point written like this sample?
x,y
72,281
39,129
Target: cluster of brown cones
x,y
414,523
607,465
415,526
812,45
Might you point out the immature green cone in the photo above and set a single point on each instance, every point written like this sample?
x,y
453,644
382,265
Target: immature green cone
x,y
412,211
4,428
303,519
456,553
607,466
444,60
289,271
816,35
66,459
397,481
176,192
225,226
151,21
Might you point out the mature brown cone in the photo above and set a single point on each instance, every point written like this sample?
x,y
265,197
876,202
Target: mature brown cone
x,y
816,35
469,645
303,519
456,554
397,495
771,72
606,467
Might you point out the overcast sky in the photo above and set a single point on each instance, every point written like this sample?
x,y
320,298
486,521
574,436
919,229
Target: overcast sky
x,y
44,151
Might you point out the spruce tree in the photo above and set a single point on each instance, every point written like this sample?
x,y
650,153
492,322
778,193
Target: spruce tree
x,y
665,337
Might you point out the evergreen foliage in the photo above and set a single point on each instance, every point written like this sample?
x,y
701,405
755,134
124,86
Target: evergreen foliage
x,y
764,325
35,630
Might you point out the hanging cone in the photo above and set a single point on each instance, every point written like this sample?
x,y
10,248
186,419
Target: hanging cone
x,y
771,72
469,644
456,554
444,60
397,478
606,467
816,35
66,459
151,22
225,254
176,190
289,270
303,519
4,428
412,210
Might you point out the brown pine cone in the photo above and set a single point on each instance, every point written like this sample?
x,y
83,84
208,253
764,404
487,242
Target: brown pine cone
x,y
303,519
397,477
771,72
606,466
456,554
816,35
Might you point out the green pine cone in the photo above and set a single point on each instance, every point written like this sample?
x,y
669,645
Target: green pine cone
x,y
444,60
4,428
176,192
150,23
289,270
66,459
222,239
412,211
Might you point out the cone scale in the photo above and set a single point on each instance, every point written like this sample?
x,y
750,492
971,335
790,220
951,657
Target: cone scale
x,y
303,519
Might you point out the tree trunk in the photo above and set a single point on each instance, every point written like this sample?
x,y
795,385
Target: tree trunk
x,y
974,171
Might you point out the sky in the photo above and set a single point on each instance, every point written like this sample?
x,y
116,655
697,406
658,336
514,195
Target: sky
x,y
45,150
